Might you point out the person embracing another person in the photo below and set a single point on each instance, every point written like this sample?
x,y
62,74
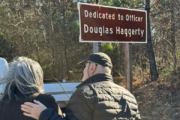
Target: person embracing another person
x,y
96,98
22,82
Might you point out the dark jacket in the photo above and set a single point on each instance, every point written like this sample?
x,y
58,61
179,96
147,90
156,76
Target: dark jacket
x,y
12,110
98,98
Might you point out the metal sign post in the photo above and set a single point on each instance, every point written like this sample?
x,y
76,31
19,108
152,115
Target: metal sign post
x,y
95,47
128,66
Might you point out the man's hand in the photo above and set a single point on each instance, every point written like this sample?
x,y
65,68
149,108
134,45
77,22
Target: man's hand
x,y
33,110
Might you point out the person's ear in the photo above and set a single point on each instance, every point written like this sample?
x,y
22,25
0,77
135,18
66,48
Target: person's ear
x,y
93,69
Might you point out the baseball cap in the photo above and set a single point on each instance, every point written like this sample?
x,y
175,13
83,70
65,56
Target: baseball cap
x,y
99,58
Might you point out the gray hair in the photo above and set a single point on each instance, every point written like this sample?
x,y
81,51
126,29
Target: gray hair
x,y
105,69
24,77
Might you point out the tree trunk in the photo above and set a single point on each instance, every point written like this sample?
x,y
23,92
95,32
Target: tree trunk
x,y
51,38
153,69
61,68
173,35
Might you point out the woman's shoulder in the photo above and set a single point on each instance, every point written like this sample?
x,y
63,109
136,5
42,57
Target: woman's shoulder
x,y
48,100
45,97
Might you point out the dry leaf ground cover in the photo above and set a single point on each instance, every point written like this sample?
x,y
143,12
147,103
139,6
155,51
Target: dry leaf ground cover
x,y
158,100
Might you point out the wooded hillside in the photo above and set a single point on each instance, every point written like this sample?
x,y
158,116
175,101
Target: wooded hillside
x,y
48,32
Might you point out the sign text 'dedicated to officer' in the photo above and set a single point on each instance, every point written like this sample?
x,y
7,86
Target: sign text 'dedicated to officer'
x,y
111,24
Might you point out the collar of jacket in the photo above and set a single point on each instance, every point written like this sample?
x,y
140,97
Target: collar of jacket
x,y
97,78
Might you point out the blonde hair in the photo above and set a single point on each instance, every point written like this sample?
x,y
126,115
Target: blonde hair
x,y
23,77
